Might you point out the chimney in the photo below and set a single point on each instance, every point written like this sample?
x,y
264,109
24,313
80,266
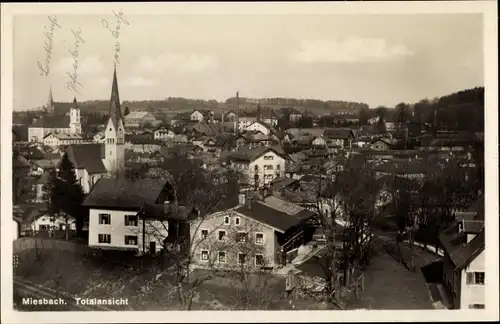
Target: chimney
x,y
248,202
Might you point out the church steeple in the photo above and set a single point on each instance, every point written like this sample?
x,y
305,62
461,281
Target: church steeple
x,y
50,102
114,159
115,112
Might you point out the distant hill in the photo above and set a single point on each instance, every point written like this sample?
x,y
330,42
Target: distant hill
x,y
173,105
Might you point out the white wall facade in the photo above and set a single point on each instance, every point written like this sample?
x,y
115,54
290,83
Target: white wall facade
x,y
116,229
268,166
114,146
473,293
258,127
196,115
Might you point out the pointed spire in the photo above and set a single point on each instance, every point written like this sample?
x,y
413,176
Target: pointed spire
x,y
50,103
115,112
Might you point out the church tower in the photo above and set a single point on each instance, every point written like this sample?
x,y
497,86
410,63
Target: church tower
x,y
115,132
50,103
74,119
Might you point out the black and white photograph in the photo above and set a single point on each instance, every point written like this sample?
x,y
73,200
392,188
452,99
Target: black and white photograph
x,y
290,157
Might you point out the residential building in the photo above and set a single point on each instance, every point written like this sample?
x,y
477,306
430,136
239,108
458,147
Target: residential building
x,y
260,165
380,145
244,122
139,119
258,127
65,123
319,142
339,137
142,143
464,265
47,223
129,215
230,116
98,137
253,139
163,133
259,233
197,115
56,140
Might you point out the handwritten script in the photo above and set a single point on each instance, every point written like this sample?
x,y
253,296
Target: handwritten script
x,y
73,84
45,67
115,31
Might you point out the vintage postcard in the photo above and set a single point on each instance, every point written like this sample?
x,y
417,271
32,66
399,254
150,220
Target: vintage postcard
x,y
184,161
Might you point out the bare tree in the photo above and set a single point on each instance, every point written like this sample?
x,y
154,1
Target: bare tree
x,y
192,189
345,203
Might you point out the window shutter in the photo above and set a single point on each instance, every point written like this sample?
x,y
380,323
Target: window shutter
x,y
470,278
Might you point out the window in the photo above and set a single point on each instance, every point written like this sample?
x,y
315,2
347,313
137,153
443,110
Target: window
x,y
226,220
476,306
104,238
259,238
130,240
269,167
242,237
256,168
222,235
278,167
269,157
204,234
479,278
222,257
204,255
475,278
130,220
241,258
104,219
237,221
259,260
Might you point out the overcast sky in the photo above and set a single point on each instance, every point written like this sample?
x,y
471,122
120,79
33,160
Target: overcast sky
x,y
379,60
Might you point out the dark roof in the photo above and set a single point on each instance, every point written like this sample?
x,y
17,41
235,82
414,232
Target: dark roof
x,y
404,166
47,164
165,212
21,132
270,214
455,244
473,226
124,193
87,156
19,162
52,122
338,133
141,139
62,108
252,154
31,152
280,183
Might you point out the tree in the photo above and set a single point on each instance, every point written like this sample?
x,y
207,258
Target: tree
x,y
449,189
381,113
70,195
127,111
51,194
345,204
207,192
364,115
